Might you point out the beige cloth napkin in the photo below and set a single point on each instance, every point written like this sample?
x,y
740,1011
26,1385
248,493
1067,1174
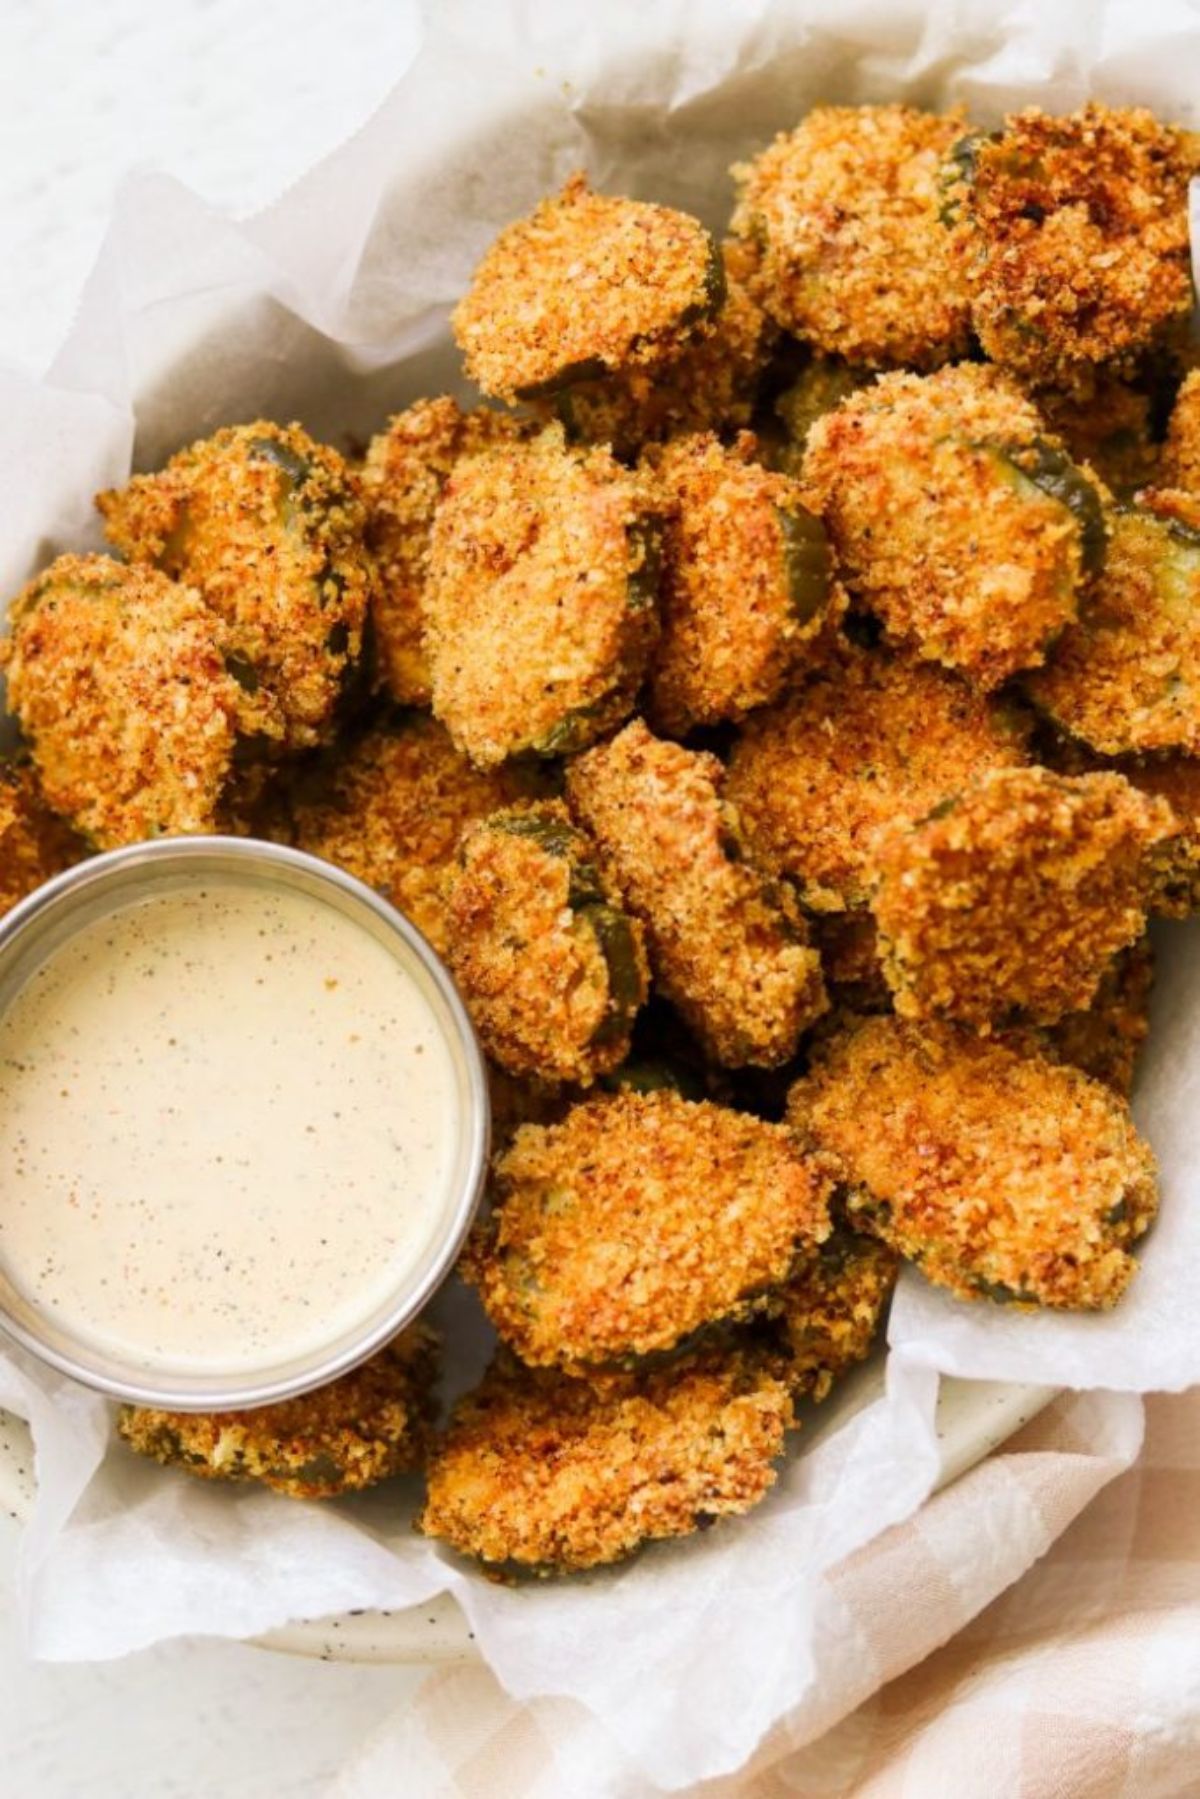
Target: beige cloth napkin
x,y
963,1670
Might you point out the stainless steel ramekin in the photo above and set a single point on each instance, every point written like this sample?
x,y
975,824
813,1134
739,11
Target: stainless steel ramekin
x,y
32,932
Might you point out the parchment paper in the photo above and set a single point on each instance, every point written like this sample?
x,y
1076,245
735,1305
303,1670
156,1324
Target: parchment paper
x,y
331,307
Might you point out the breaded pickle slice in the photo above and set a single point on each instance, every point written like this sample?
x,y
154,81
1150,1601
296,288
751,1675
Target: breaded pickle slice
x,y
34,843
362,1428
637,1220
869,739
728,946
1181,452
1072,236
1126,677
268,526
855,259
821,386
829,1314
707,385
402,479
1111,430
118,677
586,285
541,605
1001,1173
551,969
849,947
390,808
542,1473
745,584
1106,1038
955,518
1011,899
1176,878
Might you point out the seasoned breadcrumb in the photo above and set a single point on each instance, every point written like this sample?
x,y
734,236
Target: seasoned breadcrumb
x,y
1071,234
362,1428
119,679
540,607
745,584
955,518
550,968
1176,864
727,945
587,284
402,479
34,844
821,386
869,739
855,259
1181,452
999,1172
542,1473
1011,899
1106,1038
828,1314
1111,431
267,525
638,1220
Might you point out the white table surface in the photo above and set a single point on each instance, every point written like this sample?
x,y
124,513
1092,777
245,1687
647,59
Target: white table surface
x,y
236,100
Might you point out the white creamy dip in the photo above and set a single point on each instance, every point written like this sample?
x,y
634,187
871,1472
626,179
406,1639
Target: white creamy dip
x,y
227,1121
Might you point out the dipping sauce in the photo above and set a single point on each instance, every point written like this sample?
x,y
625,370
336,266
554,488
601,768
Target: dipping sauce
x,y
227,1127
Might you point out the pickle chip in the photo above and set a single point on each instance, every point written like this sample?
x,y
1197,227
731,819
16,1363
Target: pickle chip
x,y
587,285
1112,431
829,1314
1106,1037
1181,452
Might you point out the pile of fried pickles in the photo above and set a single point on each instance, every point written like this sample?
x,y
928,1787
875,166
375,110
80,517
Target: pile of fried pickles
x,y
779,702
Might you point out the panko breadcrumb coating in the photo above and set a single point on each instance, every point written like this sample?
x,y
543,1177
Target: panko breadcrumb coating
x,y
955,518
1106,1038
34,844
829,1313
362,1428
550,968
745,584
1126,677
1012,899
855,259
822,384
1072,237
119,679
544,1473
1111,430
999,1172
402,479
588,284
869,739
1181,452
540,608
638,1220
267,525
727,945
390,809
1176,864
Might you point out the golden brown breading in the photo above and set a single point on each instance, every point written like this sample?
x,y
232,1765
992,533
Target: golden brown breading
x,y
727,945
1126,677
1181,452
999,1172
550,968
1106,1038
547,1474
1176,876
119,680
362,1428
1012,898
34,844
587,284
955,518
637,1220
540,609
267,525
1072,237
1110,430
390,810
830,1312
822,384
745,584
869,739
402,479
854,257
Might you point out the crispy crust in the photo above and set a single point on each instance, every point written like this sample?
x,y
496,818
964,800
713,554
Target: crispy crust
x,y
587,283
821,386
540,608
364,1427
727,945
34,843
267,525
1001,1173
830,1313
867,740
1106,1039
636,1221
929,489
402,479
854,257
118,679
1181,452
1111,431
542,1473
551,970
1176,866
745,584
1013,898
1072,237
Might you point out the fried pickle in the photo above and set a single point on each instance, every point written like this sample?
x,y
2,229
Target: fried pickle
x,y
1106,1038
828,1315
1181,452
35,844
